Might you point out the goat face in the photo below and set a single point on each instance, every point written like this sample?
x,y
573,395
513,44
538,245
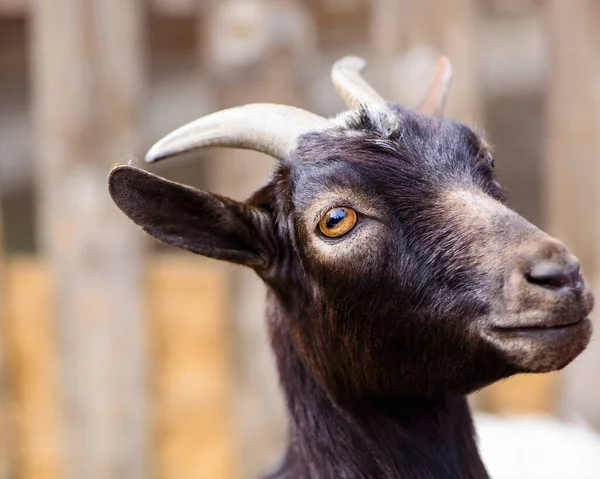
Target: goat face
x,y
437,285
387,243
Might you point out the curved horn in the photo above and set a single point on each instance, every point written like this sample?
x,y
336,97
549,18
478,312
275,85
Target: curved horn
x,y
268,128
433,104
351,86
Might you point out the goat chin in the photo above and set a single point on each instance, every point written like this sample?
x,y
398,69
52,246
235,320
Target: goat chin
x,y
540,447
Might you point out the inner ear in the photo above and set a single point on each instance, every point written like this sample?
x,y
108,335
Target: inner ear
x,y
190,218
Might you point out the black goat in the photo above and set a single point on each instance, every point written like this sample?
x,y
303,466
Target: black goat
x,y
398,279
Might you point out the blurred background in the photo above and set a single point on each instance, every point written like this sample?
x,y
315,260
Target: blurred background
x,y
123,359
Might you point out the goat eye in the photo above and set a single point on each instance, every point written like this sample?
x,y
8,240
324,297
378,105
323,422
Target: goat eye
x,y
490,159
337,222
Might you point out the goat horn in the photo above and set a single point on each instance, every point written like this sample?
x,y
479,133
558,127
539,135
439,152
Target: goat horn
x,y
351,86
433,104
268,128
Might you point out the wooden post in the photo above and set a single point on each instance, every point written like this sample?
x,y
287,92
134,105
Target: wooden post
x,y
5,394
192,378
32,359
407,36
254,51
573,174
174,7
385,28
13,7
87,83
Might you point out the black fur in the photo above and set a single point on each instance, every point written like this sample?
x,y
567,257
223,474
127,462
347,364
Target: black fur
x,y
379,334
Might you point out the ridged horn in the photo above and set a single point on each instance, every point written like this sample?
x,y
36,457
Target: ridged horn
x,y
433,104
269,128
351,86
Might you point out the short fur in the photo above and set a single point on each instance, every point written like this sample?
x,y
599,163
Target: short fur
x,y
380,334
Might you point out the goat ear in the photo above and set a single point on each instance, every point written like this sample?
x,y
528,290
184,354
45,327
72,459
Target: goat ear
x,y
189,218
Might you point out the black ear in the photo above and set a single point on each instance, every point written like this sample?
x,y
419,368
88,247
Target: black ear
x,y
190,218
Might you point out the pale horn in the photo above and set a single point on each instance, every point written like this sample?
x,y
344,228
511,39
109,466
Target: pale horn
x,y
268,128
433,103
351,86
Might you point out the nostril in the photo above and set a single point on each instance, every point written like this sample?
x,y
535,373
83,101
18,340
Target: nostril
x,y
552,275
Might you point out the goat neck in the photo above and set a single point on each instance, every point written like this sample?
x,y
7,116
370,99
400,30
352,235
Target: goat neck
x,y
416,438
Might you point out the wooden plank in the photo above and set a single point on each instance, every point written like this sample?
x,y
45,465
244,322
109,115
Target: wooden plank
x,y
179,8
192,380
253,52
88,81
342,6
13,7
161,7
385,28
573,173
164,7
6,423
32,359
407,36
457,24
193,374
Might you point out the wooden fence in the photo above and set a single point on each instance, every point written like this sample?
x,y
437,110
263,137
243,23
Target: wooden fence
x,y
190,382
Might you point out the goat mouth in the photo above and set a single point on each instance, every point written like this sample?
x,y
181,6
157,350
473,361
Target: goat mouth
x,y
541,346
552,329
549,326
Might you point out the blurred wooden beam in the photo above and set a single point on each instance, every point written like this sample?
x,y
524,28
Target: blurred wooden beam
x,y
458,23
385,29
572,195
32,359
6,397
406,38
513,52
162,7
14,7
186,300
193,403
254,51
342,6
88,80
178,8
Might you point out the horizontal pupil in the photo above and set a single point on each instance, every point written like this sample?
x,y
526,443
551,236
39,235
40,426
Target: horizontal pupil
x,y
335,217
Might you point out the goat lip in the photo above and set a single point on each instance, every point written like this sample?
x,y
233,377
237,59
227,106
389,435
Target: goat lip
x,y
547,326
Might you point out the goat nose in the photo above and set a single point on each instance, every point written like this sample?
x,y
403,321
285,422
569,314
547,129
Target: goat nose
x,y
554,275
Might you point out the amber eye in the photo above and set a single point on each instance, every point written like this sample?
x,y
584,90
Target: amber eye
x,y
337,222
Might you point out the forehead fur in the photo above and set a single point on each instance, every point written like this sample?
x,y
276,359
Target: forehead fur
x,y
396,123
391,147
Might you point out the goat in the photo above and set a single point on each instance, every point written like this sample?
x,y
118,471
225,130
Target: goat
x,y
398,279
